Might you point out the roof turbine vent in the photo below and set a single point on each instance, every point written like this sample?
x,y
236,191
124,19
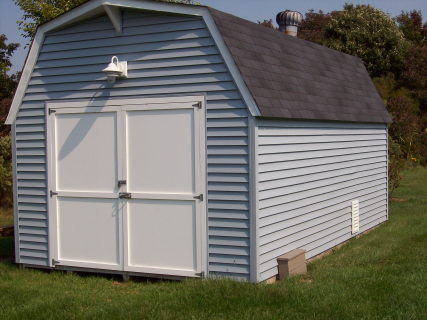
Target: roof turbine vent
x,y
289,21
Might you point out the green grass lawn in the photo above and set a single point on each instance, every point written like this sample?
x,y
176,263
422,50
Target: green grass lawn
x,y
381,275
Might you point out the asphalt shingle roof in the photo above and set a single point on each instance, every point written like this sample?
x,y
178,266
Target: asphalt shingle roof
x,y
293,78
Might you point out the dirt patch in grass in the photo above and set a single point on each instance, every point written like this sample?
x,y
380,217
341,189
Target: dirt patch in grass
x,y
398,199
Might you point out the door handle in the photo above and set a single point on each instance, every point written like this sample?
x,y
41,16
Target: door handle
x,y
125,195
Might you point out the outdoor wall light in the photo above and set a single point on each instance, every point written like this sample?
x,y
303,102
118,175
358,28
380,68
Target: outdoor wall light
x,y
116,70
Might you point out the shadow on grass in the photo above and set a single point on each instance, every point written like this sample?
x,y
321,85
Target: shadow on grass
x,y
7,248
7,255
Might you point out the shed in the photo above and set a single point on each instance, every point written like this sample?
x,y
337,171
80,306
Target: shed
x,y
227,145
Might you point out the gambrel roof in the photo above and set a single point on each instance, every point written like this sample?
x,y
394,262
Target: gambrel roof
x,y
278,75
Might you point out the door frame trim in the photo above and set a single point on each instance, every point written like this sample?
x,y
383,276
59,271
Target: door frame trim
x,y
202,99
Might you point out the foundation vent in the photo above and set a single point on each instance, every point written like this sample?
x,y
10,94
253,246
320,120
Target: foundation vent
x,y
354,216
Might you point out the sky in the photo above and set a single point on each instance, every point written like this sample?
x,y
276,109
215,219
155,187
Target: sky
x,y
248,9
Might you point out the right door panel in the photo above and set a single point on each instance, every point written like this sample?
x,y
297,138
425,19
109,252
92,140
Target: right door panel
x,y
163,171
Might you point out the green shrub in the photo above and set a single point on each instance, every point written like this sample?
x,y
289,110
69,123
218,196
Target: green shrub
x,y
6,191
396,164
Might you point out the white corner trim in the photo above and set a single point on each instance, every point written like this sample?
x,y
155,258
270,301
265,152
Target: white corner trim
x,y
15,196
115,16
254,201
112,7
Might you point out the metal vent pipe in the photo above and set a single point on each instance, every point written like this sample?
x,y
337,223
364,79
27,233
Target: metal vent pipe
x,y
289,21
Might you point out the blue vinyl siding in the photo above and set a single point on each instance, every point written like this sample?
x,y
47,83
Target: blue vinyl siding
x,y
167,55
309,172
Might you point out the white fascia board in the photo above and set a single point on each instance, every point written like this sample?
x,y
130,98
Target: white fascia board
x,y
229,61
82,12
25,77
95,7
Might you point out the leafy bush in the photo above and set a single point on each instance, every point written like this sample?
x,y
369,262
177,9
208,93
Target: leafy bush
x,y
396,164
414,75
421,147
6,191
405,125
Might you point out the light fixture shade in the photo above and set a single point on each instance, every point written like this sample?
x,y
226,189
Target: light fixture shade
x,y
115,70
112,69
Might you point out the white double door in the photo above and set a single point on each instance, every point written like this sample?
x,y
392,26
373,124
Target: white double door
x,y
125,185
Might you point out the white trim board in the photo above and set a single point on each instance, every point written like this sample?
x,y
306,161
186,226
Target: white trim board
x,y
254,202
115,16
96,7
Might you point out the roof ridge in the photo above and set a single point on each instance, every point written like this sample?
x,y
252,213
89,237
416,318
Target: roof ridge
x,y
277,33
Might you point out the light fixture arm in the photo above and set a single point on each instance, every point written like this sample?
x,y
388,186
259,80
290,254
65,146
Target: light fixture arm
x,y
117,61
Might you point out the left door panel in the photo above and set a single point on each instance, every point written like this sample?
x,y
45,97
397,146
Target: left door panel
x,y
86,168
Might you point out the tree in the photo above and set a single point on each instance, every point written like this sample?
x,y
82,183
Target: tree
x,y
8,83
8,86
268,24
37,12
361,31
414,75
404,112
6,51
370,34
313,27
6,190
405,127
411,24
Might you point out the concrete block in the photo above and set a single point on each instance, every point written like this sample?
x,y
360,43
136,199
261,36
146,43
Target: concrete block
x,y
292,263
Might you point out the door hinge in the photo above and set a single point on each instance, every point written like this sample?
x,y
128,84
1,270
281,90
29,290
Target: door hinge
x,y
54,262
198,105
199,197
121,182
125,195
201,274
51,111
53,193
